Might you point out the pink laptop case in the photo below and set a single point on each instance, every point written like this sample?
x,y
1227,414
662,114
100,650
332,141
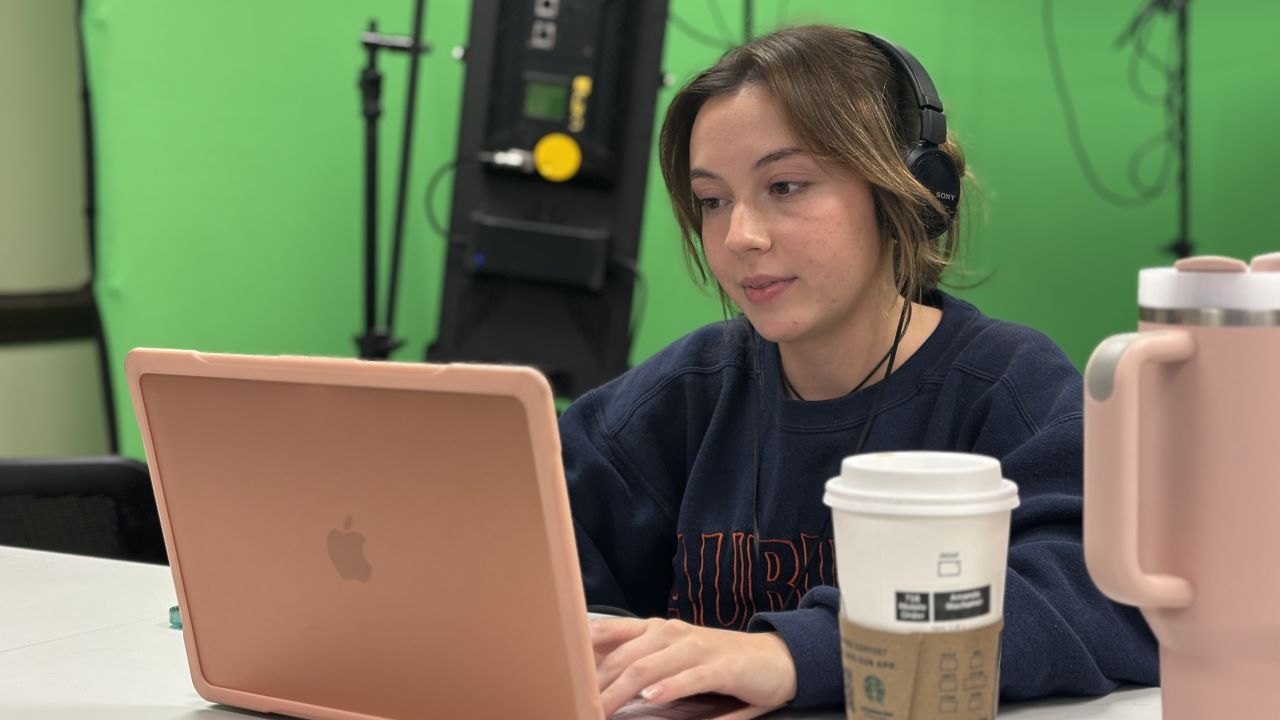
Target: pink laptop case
x,y
353,539
464,598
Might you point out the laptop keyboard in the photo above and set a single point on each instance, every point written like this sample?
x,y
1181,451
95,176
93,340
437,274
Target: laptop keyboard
x,y
690,708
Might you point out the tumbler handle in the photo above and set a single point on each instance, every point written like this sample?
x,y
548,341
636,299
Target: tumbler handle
x,y
1111,464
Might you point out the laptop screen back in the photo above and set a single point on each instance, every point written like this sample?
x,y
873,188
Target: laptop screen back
x,y
345,546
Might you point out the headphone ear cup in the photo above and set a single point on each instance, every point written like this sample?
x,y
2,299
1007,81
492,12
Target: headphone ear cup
x,y
935,170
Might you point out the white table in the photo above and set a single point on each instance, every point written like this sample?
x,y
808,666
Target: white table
x,y
88,638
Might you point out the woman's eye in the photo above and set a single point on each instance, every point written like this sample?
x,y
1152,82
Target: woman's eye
x,y
709,203
784,188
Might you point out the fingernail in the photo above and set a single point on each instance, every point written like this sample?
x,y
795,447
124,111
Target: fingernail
x,y
651,692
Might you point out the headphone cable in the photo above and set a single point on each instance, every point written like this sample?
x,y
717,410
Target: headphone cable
x,y
810,556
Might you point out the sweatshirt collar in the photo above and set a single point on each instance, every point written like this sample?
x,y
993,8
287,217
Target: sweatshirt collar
x,y
851,410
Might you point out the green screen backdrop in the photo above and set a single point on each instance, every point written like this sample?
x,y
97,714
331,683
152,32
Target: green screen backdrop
x,y
229,149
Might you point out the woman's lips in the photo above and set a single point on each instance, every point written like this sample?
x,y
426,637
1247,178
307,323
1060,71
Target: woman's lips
x,y
762,289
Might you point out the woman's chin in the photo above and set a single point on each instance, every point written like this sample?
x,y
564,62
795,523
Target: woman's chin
x,y
776,329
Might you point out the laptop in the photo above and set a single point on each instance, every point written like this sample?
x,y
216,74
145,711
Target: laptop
x,y
371,540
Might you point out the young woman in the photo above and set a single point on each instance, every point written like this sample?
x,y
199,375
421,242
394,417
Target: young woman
x,y
696,478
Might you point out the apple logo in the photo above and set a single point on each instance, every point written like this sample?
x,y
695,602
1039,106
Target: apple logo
x,y
346,549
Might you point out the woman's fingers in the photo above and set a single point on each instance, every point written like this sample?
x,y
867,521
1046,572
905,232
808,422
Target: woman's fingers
x,y
665,660
649,670
690,681
607,635
649,640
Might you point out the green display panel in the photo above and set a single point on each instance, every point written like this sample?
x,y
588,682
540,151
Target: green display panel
x,y
546,101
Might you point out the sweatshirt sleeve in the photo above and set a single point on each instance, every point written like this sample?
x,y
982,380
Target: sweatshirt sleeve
x,y
812,634
1062,636
624,527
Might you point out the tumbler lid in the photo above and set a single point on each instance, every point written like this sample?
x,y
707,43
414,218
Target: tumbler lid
x,y
1233,293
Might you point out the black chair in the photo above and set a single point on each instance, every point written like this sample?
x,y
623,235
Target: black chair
x,y
98,506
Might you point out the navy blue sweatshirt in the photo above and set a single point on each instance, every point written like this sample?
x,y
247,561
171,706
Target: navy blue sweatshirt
x,y
663,465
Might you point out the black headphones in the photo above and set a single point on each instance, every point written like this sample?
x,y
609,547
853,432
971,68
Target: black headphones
x,y
927,162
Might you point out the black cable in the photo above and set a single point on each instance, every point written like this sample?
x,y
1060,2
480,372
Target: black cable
x,y
1175,104
1164,178
717,18
899,333
697,35
862,440
1168,101
1142,55
611,610
786,381
639,296
1145,195
429,201
893,355
748,20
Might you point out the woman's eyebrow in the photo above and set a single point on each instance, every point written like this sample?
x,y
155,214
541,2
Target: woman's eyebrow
x,y
769,157
777,155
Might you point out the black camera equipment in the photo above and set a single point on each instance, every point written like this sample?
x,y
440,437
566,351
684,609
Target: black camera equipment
x,y
552,163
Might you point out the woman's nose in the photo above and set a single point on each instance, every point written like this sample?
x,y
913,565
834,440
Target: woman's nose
x,y
746,231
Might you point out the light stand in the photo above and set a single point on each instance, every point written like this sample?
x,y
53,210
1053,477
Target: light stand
x,y
377,342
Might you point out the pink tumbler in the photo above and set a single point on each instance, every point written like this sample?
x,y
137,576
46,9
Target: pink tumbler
x,y
1182,480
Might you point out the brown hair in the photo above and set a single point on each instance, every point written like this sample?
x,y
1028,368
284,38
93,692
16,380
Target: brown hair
x,y
849,106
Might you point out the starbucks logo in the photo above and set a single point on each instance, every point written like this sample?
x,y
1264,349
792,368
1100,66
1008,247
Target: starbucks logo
x,y
873,688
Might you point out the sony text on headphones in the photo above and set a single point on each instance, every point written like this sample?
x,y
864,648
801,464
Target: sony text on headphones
x,y
924,159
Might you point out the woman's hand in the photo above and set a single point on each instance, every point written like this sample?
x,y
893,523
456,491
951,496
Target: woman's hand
x,y
664,660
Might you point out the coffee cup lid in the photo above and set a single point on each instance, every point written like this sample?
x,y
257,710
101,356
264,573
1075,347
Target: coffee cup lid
x,y
921,483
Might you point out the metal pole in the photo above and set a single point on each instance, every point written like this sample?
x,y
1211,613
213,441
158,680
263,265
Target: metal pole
x,y
405,149
371,85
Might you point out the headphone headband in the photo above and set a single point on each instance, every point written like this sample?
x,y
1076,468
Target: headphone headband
x,y
933,125
925,160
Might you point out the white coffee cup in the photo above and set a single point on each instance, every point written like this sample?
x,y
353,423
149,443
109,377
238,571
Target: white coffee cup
x,y
921,540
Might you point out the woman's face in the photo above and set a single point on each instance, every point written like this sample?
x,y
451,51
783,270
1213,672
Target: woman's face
x,y
794,243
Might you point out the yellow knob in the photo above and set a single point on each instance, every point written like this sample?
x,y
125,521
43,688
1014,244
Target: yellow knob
x,y
557,157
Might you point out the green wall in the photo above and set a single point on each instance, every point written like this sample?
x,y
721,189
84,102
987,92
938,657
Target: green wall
x,y
230,163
